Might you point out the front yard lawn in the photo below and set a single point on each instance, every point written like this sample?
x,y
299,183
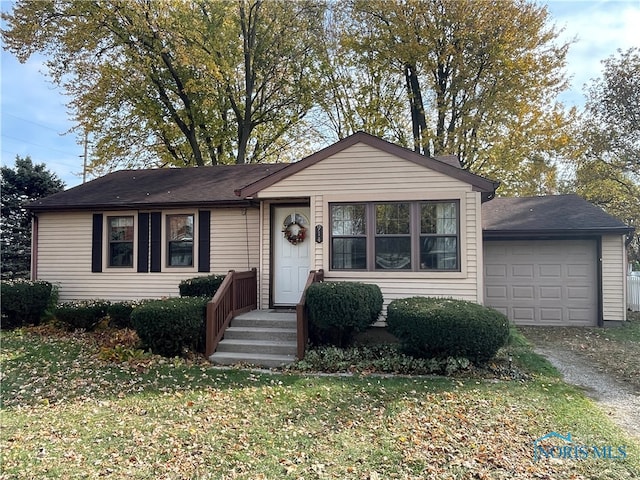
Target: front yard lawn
x,y
70,412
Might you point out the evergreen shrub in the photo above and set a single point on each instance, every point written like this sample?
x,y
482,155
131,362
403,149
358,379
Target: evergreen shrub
x,y
85,314
444,327
120,313
172,326
339,310
206,286
24,302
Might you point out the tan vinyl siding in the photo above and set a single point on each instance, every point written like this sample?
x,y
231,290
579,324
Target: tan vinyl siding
x,y
265,256
363,174
64,257
361,169
613,278
235,243
317,254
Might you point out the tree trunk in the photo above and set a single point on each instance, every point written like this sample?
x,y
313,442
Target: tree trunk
x,y
418,119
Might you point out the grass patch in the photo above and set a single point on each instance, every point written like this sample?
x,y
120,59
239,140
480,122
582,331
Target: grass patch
x,y
68,413
520,350
629,332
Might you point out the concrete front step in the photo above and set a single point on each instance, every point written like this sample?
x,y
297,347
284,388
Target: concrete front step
x,y
257,346
265,319
263,360
261,337
260,333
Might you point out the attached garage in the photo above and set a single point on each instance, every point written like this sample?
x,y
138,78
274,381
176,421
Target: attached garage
x,y
543,282
553,261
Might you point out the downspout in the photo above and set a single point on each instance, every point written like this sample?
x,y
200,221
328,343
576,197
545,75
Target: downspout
x,y
34,247
599,280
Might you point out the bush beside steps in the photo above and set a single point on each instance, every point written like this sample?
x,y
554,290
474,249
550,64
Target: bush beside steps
x,y
444,327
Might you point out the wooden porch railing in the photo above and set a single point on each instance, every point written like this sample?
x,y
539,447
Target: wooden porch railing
x,y
301,312
237,294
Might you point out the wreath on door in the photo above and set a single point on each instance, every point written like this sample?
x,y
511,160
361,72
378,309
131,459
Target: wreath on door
x,y
294,231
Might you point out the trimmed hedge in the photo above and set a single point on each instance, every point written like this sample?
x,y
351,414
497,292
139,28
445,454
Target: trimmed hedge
x,y
172,326
201,286
439,328
24,302
339,310
82,314
120,313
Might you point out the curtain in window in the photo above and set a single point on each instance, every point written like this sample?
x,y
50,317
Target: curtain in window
x,y
438,240
393,236
348,241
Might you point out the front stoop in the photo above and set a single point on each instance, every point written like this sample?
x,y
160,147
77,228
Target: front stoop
x,y
265,338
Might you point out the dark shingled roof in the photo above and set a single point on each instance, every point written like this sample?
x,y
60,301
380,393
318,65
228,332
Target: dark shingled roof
x,y
553,215
153,188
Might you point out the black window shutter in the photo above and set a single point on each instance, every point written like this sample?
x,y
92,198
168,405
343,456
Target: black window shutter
x,y
156,242
96,243
143,242
204,240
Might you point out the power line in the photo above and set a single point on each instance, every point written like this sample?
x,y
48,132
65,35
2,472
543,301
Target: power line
x,y
27,142
31,121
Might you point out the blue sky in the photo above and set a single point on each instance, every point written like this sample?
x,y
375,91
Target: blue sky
x,y
34,118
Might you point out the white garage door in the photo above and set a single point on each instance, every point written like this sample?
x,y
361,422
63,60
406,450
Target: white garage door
x,y
542,282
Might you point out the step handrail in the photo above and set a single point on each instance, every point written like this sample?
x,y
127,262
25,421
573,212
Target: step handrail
x,y
302,318
238,293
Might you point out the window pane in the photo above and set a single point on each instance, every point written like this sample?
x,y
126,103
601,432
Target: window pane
x,y
439,253
439,218
120,241
349,253
348,220
393,253
181,254
180,227
121,229
180,242
121,254
393,219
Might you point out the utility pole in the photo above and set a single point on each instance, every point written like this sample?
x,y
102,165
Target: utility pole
x,y
84,166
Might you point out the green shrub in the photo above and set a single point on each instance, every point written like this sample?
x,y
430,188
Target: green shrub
x,y
438,328
24,302
375,358
201,286
171,326
338,310
120,313
85,314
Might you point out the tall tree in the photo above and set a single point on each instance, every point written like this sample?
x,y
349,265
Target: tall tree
x,y
480,77
355,94
20,185
612,123
179,83
608,168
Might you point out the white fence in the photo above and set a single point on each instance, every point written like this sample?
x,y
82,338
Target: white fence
x,y
633,292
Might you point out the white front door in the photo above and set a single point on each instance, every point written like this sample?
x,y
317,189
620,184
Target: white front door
x,y
291,236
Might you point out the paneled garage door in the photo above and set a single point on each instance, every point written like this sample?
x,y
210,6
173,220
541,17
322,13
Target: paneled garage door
x,y
542,282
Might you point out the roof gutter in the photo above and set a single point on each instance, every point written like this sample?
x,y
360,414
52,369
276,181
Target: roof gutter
x,y
140,206
541,234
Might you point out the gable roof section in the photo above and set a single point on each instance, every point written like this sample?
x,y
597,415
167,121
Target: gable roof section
x,y
552,216
154,188
445,166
